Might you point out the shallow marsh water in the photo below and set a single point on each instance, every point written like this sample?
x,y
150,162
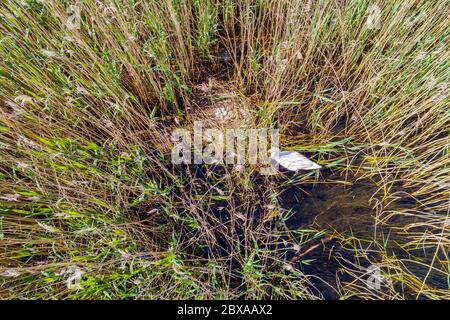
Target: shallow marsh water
x,y
344,210
347,210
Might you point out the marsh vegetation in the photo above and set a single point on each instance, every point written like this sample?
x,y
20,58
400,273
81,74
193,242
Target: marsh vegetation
x,y
90,92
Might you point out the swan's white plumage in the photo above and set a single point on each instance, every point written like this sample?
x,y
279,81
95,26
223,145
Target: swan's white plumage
x,y
293,161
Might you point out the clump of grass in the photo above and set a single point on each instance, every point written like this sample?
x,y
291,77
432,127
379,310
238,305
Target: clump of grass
x,y
86,113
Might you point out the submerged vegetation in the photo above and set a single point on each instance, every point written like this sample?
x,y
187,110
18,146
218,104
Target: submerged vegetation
x,y
92,207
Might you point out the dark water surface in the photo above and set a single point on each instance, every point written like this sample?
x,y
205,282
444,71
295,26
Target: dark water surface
x,y
345,210
332,206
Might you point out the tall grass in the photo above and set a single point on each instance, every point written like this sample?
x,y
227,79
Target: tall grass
x,y
85,121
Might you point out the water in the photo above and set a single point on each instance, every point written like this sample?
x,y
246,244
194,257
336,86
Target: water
x,y
344,210
348,210
332,206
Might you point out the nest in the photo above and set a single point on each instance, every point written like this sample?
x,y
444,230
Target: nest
x,y
218,105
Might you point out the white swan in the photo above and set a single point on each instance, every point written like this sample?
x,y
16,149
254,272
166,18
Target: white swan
x,y
293,161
